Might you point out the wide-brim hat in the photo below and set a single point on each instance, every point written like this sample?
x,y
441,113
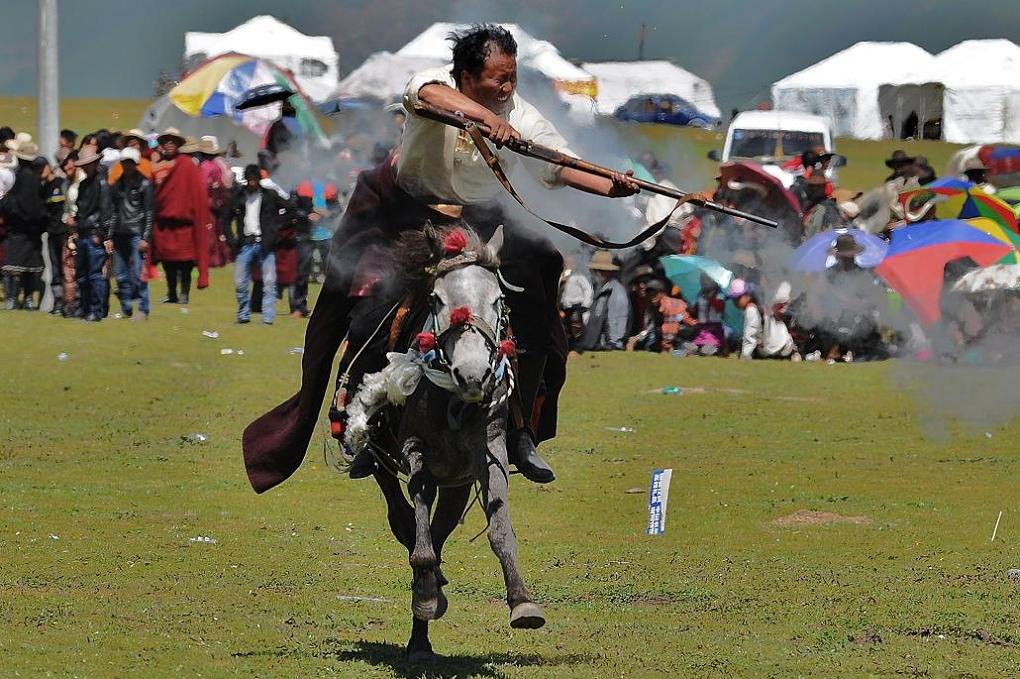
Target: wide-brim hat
x,y
846,246
899,157
134,133
19,139
602,260
209,145
190,145
87,155
171,133
26,150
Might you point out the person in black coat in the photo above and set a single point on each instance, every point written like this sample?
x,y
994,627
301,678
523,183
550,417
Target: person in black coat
x,y
254,219
25,220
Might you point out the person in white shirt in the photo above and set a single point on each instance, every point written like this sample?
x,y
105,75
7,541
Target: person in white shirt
x,y
437,175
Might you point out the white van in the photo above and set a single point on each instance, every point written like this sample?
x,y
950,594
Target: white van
x,y
773,138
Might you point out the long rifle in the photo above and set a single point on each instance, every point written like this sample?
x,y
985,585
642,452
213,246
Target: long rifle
x,y
532,150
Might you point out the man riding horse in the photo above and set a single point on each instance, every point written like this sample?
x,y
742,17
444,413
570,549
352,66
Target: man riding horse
x,y
437,175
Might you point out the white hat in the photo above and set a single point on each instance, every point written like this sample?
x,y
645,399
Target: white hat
x,y
109,157
131,154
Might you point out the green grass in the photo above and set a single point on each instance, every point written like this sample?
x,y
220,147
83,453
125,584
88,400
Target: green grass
x,y
82,115
91,453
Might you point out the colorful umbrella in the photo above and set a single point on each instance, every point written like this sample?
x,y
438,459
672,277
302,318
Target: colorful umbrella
x,y
218,85
996,230
686,270
747,172
955,199
814,254
915,262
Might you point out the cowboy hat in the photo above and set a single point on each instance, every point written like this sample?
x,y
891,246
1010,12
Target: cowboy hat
x,y
26,150
19,139
899,157
846,246
171,133
130,154
135,133
87,155
602,260
190,145
209,145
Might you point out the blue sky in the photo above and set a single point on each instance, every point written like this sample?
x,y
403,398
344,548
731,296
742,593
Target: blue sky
x,y
116,48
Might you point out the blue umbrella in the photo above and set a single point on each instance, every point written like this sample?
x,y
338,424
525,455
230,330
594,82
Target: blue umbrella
x,y
814,254
686,270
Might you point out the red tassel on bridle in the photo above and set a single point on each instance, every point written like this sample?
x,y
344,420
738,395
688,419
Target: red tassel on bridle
x,y
455,242
460,316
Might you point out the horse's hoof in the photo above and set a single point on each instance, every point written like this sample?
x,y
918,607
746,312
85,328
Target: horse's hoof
x,y
527,615
421,656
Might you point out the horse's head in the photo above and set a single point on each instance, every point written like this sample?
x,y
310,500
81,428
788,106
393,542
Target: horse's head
x,y
469,310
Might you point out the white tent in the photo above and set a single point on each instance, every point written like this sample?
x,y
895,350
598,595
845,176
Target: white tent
x,y
311,59
845,87
384,75
618,81
972,89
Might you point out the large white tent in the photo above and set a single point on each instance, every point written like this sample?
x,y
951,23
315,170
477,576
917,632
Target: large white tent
x,y
618,81
973,89
312,59
385,75
845,87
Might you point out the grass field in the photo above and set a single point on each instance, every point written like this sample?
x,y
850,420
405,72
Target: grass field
x,y
99,497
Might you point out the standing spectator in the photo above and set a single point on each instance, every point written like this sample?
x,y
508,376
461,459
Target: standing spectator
x,y
25,217
180,219
132,229
255,218
217,179
133,139
610,315
72,180
56,229
68,139
93,243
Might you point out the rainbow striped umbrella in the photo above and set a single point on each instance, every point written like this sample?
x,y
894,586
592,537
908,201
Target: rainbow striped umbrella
x,y
918,254
957,199
217,85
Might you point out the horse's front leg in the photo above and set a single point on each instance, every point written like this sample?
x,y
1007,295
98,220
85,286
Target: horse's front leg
x,y
422,489
524,613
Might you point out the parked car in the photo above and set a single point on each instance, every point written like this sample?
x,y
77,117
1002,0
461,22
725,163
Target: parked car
x,y
775,139
664,108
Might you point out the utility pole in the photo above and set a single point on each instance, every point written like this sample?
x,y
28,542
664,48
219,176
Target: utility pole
x,y
49,90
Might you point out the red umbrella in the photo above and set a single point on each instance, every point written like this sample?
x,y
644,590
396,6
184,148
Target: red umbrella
x,y
748,172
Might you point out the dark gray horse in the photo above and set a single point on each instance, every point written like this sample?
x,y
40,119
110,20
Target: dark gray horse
x,y
451,430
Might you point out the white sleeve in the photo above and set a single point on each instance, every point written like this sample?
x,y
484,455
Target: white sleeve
x,y
752,332
442,75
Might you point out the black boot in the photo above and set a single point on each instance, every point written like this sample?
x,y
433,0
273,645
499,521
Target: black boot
x,y
521,441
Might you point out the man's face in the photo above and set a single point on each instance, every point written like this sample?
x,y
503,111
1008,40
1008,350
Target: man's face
x,y
495,85
169,148
68,167
130,168
251,185
66,143
133,143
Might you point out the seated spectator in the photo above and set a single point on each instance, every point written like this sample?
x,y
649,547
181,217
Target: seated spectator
x,y
766,335
576,297
666,321
709,336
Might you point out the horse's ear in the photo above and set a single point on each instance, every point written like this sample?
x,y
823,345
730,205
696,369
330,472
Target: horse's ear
x,y
496,242
432,240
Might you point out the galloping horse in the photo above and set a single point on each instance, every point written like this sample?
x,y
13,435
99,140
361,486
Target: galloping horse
x,y
451,430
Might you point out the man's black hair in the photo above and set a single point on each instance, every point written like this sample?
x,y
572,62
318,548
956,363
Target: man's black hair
x,y
473,46
6,133
69,135
252,171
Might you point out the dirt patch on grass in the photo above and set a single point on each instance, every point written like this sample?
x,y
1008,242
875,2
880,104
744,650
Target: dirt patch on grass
x,y
808,517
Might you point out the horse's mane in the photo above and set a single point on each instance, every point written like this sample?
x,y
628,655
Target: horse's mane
x,y
417,253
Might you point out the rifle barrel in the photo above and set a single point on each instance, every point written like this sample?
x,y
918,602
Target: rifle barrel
x,y
533,150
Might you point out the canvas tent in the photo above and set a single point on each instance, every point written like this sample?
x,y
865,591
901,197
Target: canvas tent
x,y
618,81
549,80
969,93
845,86
312,59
